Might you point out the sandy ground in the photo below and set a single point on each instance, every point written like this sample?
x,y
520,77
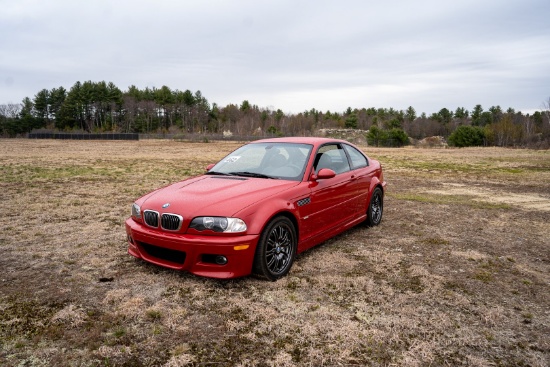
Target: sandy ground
x,y
525,201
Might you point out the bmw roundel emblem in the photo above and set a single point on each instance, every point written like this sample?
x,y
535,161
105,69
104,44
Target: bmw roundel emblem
x,y
165,205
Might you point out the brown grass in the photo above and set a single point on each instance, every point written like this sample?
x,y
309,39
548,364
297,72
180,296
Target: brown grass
x,y
458,272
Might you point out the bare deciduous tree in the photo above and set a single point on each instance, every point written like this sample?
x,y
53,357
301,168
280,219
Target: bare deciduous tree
x,y
546,109
10,110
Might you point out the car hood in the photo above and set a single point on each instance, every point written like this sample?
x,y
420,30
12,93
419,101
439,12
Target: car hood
x,y
213,195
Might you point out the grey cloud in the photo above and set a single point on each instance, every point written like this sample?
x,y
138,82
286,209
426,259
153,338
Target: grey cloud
x,y
292,55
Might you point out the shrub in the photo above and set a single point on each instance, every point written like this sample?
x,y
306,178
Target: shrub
x,y
376,136
467,136
387,138
397,137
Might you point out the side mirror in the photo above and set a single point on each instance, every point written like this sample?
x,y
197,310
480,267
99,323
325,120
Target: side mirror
x,y
209,167
323,174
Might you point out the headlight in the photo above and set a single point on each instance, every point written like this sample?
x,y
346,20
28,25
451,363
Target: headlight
x,y
218,224
136,211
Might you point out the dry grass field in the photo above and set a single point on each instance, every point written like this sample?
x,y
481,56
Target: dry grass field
x,y
457,274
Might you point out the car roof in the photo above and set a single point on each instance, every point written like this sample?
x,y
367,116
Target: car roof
x,y
301,139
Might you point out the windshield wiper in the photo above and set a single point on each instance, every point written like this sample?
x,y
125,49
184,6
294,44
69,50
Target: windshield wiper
x,y
253,174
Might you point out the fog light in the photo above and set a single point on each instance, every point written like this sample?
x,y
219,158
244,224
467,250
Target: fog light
x,y
130,239
220,260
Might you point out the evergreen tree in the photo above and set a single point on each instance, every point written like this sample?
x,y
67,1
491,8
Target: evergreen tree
x,y
41,107
351,121
26,121
410,114
476,115
467,136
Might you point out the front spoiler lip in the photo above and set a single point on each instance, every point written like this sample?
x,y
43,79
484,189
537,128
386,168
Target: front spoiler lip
x,y
239,261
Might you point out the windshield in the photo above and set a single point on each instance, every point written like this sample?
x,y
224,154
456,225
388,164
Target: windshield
x,y
266,160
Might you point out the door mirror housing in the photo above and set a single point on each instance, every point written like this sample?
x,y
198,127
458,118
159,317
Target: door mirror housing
x,y
323,174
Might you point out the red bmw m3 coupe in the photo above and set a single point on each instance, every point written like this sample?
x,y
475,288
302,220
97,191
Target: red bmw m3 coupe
x,y
254,210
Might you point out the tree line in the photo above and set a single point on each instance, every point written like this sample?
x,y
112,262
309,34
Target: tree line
x,y
103,107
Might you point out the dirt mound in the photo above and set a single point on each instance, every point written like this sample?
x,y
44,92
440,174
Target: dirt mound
x,y
352,135
432,142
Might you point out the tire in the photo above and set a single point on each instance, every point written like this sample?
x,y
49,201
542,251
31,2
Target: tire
x,y
376,208
276,249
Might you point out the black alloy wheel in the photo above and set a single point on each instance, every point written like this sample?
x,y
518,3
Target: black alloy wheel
x,y
276,249
376,208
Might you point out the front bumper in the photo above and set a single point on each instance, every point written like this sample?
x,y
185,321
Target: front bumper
x,y
192,253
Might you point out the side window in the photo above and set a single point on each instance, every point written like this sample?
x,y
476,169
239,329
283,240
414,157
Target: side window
x,y
331,156
358,160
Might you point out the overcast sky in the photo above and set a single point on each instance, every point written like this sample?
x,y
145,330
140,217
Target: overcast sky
x,y
294,55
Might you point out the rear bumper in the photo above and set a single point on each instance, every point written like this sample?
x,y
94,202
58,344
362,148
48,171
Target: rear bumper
x,y
192,253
